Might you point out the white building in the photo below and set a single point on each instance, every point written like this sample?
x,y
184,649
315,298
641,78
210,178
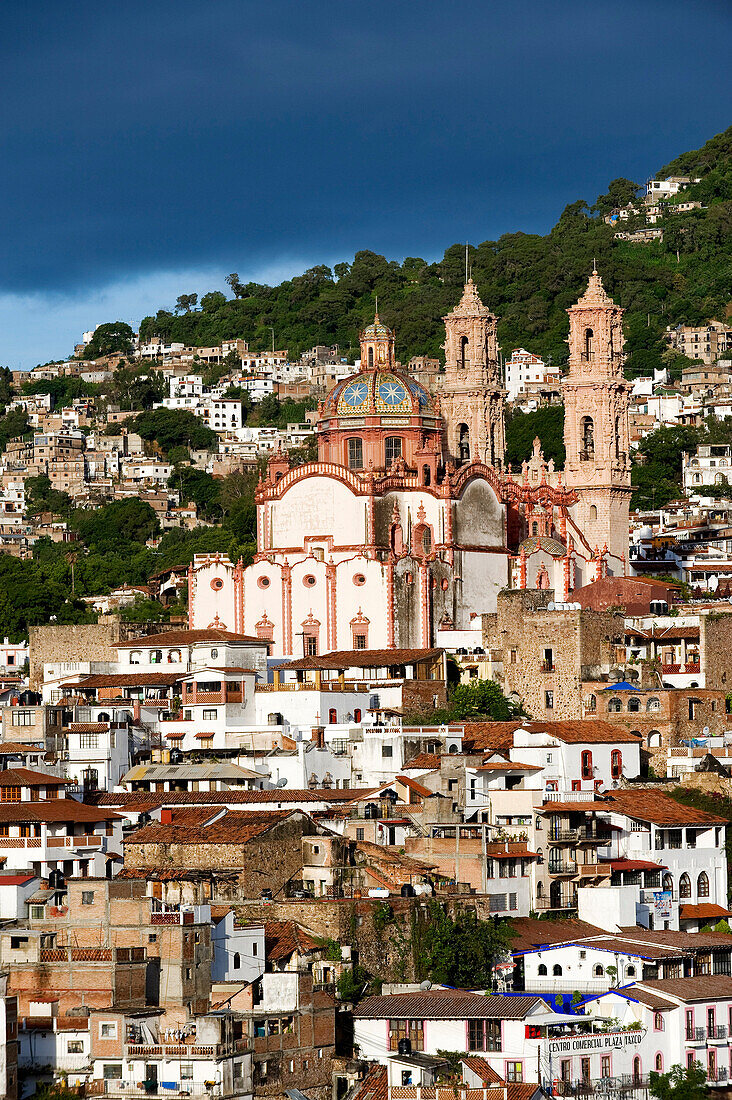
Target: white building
x,y
711,465
238,951
525,371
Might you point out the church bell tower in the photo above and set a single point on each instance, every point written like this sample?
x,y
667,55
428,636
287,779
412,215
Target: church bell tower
x,y
597,462
471,391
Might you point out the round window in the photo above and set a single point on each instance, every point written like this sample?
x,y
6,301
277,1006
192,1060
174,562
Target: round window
x,y
217,584
359,579
309,580
263,582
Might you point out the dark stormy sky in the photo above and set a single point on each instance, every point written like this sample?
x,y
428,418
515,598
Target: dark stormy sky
x,y
149,147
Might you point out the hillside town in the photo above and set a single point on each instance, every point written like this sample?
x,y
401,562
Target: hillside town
x,y
349,820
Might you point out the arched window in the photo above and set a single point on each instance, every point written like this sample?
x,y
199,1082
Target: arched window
x,y
591,704
659,1063
540,889
542,970
156,656
463,353
685,886
463,443
392,449
237,961
422,541
371,358
653,705
720,479
634,705
636,1068
91,780
534,528
668,883
599,971
616,763
426,475
654,739
587,436
332,716
355,454
702,885
593,511
630,972
556,970
103,716
617,437
697,479
587,764
135,657
589,343
615,706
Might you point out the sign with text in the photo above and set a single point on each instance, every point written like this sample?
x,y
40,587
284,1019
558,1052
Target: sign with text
x,y
612,1040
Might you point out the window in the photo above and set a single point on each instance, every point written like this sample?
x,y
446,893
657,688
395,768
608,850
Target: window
x,y
463,433
614,706
74,1046
355,453
586,763
605,1065
549,700
38,912
702,885
634,705
357,714
87,898
392,449
406,1029
653,705
557,970
542,966
514,1071
210,715
359,640
659,1063
112,1072
89,740
685,886
186,1071
22,717
654,739
108,1029
616,764
311,645
599,971
587,437
9,794
332,716
636,1068
484,1034
591,704
360,834
237,961
386,752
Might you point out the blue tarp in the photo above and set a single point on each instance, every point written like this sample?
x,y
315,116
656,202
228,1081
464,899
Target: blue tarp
x,y
622,686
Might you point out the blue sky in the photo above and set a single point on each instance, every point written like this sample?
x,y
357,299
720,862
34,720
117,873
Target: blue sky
x,y
149,148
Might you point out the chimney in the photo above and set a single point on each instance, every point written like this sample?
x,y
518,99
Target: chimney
x,y
166,817
317,736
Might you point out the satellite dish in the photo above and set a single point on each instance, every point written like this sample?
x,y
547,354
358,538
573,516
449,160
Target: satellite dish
x,y
280,783
705,731
426,985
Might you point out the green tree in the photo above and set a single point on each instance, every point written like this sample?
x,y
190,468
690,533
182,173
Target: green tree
x,y
480,698
115,336
117,524
680,1083
40,496
523,428
174,428
184,303
12,426
212,301
463,950
620,193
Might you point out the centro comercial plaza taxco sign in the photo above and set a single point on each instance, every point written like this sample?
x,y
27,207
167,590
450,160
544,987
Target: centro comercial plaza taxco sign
x,y
611,1040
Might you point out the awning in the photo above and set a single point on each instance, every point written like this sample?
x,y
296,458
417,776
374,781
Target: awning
x,y
636,865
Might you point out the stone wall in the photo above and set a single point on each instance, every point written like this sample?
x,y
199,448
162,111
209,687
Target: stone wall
x,y
715,647
51,643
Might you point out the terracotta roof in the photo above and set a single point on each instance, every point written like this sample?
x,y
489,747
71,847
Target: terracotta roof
x,y
233,828
703,987
283,937
57,809
26,777
375,1085
635,865
699,940
151,800
659,808
13,748
703,911
88,727
541,933
127,679
508,766
652,1000
364,658
445,1004
188,637
16,880
498,736
429,760
481,1068
413,785
626,946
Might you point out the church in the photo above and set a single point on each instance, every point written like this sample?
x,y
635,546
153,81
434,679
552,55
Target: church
x,y
409,522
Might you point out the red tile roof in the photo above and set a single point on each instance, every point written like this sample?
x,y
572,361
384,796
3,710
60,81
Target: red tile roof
x,y
18,748
375,1085
430,760
27,777
127,679
660,808
481,1068
542,933
233,828
283,937
57,809
702,987
705,910
364,658
188,637
151,800
417,788
445,1004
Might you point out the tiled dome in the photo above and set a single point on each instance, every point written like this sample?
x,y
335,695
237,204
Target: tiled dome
x,y
378,393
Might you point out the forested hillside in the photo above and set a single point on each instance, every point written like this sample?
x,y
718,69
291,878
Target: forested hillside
x,y
527,279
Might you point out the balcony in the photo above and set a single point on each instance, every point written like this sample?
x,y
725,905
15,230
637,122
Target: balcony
x,y
177,1050
88,840
696,1035
565,868
716,1034
153,1091
565,901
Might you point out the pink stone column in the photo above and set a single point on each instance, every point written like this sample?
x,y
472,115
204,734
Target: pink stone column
x,y
286,609
390,603
424,600
332,621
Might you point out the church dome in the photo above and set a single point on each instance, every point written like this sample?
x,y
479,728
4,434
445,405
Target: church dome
x,y
378,393
376,328
542,542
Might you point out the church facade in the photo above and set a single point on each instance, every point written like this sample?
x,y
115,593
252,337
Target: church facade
x,y
408,521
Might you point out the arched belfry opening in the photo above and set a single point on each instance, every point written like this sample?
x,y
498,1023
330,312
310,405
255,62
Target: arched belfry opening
x,y
463,353
463,443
